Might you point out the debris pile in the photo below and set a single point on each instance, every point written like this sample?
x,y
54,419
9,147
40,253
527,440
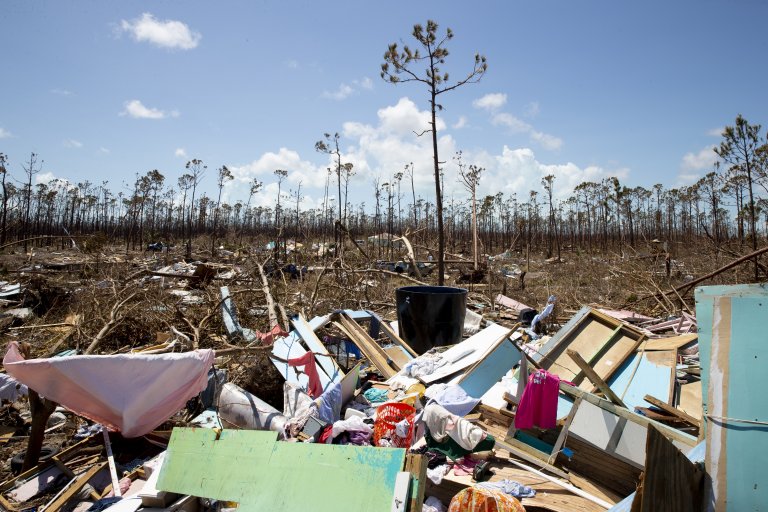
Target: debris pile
x,y
602,410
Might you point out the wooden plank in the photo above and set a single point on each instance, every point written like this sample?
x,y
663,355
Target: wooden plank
x,y
468,352
671,482
73,489
62,455
673,411
326,361
290,347
537,461
394,338
368,346
671,343
70,474
417,465
564,431
596,380
400,497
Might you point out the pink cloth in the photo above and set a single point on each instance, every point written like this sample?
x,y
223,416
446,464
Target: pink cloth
x,y
267,338
308,362
132,394
538,406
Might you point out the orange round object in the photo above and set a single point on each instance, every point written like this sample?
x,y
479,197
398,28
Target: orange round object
x,y
482,499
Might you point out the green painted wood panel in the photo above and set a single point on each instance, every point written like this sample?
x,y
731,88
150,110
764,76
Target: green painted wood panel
x,y
261,474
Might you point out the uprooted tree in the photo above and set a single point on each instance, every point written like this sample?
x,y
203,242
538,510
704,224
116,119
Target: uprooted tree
x,y
400,67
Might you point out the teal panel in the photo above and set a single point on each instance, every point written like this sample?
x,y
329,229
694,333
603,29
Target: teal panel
x,y
491,369
250,467
742,450
705,298
649,379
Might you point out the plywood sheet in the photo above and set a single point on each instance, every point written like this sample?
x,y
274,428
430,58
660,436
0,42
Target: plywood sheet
x,y
489,370
671,343
254,470
690,399
468,352
648,373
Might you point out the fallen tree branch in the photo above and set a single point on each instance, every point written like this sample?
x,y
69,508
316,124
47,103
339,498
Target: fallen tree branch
x,y
684,288
114,320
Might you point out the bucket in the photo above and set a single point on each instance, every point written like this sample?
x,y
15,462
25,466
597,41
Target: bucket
x,y
430,316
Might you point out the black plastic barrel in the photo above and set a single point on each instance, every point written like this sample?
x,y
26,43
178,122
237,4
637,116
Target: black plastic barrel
x,y
430,316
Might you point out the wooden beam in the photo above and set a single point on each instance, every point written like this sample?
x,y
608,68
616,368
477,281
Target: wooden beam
x,y
73,489
672,410
595,378
417,465
368,346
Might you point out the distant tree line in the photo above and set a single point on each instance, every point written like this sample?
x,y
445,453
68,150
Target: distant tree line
x,y
728,205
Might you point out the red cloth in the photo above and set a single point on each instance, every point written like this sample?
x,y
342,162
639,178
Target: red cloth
x,y
538,406
315,388
267,338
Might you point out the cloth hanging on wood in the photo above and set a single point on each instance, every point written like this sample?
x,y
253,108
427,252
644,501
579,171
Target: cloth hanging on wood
x,y
315,388
538,406
130,393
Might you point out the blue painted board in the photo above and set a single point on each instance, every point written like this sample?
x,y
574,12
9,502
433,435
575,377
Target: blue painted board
x,y
490,370
651,378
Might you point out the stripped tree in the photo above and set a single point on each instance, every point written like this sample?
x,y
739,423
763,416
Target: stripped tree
x,y
399,67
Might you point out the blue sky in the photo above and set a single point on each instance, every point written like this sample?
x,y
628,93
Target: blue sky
x,y
583,90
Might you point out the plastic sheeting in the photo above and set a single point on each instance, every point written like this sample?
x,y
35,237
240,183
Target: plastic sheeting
x,y
132,394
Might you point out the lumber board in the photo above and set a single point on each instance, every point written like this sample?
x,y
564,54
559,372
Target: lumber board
x,y
367,346
326,361
74,489
671,482
673,411
595,378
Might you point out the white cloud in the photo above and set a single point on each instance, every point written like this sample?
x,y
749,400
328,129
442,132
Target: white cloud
x,y
516,125
104,150
53,181
716,132
5,134
62,92
520,172
704,159
532,109
72,143
344,90
291,64
137,110
163,33
547,141
339,94
180,153
263,168
366,83
491,102
461,123
686,179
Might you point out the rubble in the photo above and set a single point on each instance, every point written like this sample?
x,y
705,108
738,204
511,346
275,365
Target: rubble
x,y
597,411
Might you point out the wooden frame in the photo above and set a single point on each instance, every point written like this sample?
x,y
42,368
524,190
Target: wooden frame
x,y
603,342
